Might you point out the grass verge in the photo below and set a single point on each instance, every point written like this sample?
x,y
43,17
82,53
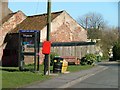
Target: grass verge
x,y
75,68
13,78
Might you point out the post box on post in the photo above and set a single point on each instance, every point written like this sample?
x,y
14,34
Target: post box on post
x,y
46,47
46,51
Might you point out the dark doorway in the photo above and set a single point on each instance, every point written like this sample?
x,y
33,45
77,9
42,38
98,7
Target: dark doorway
x,y
10,52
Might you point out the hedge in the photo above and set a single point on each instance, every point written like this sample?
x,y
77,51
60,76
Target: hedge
x,y
116,51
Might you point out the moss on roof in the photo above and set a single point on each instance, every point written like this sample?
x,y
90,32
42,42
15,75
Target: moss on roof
x,y
7,17
36,22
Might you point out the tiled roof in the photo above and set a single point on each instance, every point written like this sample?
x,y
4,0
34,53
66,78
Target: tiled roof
x,y
36,22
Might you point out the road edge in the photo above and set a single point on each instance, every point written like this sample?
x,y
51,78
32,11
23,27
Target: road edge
x,y
83,77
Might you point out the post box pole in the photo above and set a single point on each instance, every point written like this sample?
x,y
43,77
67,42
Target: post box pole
x,y
47,67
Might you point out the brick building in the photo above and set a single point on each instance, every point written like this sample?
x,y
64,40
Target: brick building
x,y
63,29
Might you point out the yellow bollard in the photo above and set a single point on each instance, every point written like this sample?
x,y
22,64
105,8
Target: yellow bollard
x,y
64,66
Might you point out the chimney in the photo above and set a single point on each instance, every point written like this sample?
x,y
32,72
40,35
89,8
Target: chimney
x,y
4,10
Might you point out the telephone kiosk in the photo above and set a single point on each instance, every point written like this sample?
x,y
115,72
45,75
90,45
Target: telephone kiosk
x,y
29,43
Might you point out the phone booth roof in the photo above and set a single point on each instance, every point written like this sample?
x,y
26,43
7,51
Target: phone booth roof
x,y
25,31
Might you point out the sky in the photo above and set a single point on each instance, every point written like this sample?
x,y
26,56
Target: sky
x,y
109,10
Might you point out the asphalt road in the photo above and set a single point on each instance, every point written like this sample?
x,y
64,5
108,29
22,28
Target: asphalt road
x,y
105,79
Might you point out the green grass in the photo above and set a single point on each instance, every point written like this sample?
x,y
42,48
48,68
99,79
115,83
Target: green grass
x,y
17,79
13,78
74,68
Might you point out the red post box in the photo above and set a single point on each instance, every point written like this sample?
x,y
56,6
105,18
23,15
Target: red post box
x,y
46,47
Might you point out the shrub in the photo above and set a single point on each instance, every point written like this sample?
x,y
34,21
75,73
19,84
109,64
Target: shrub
x,y
88,59
91,58
83,61
116,51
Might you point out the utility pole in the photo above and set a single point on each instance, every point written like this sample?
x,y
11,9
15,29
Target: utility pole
x,y
86,22
87,18
47,56
118,22
119,34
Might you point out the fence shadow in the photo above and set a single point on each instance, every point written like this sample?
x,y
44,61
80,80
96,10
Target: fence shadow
x,y
9,70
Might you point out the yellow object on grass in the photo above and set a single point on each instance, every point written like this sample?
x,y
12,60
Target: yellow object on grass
x,y
64,66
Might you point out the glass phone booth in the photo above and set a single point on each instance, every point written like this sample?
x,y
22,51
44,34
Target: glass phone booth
x,y
29,42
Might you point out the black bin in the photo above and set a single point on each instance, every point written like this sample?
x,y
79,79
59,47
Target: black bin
x,y
57,64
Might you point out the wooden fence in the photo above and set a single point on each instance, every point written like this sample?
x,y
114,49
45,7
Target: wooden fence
x,y
78,49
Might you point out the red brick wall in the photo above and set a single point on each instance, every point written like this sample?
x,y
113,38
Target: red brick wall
x,y
62,34
65,34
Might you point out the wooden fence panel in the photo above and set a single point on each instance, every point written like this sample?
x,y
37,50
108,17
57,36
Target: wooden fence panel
x,y
78,51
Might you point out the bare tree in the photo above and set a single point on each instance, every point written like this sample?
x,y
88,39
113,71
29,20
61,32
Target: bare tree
x,y
118,34
109,38
92,20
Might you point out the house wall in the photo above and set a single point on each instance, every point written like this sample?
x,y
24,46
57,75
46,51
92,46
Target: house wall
x,y
77,33
9,25
65,28
57,22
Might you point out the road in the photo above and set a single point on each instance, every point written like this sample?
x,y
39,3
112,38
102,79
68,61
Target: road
x,y
105,79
